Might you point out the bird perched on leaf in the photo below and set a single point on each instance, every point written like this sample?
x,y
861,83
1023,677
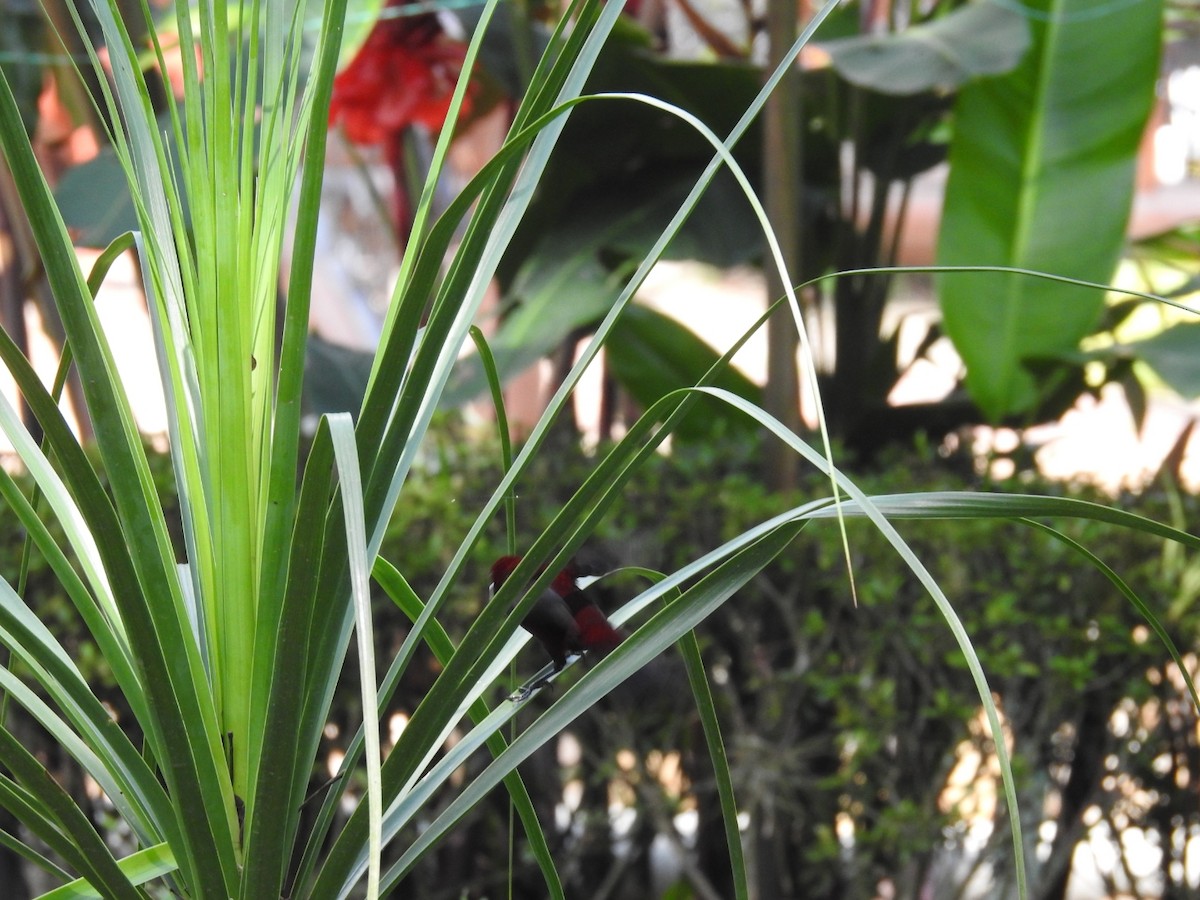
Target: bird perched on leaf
x,y
564,619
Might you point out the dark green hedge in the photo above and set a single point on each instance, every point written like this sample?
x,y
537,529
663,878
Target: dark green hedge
x,y
858,716
840,720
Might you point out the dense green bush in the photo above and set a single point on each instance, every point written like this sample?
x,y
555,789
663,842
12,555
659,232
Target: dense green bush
x,y
844,724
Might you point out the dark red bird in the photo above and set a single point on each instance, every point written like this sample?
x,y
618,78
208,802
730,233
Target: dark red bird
x,y
563,619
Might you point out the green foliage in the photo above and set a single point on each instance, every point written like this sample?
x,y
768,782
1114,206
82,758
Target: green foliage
x,y
229,660
1041,177
226,612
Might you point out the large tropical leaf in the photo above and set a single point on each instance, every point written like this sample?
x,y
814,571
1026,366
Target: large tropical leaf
x,y
977,39
1041,177
1172,355
652,355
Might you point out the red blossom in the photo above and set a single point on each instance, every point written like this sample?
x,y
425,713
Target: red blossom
x,y
404,73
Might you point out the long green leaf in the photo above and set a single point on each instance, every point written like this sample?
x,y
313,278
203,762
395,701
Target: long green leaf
x,y
341,428
133,543
104,749
88,852
284,762
488,362
1041,177
878,519
393,583
984,504
139,868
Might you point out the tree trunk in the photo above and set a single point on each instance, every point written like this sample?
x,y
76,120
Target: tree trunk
x,y
781,186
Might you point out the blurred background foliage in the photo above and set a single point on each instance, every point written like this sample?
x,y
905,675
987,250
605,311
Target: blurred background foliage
x,y
888,94
854,734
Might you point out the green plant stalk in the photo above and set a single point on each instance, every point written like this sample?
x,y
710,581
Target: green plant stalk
x,y
269,751
168,274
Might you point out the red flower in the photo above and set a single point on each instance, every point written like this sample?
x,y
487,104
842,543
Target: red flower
x,y
403,74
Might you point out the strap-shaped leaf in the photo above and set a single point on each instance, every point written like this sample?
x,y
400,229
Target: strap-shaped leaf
x,y
283,764
115,650
341,428
82,847
133,542
140,867
394,584
104,749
